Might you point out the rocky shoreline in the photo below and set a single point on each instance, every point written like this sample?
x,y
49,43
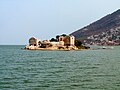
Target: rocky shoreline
x,y
50,48
57,49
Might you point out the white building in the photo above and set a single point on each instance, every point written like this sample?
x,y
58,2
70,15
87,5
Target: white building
x,y
34,41
64,41
68,40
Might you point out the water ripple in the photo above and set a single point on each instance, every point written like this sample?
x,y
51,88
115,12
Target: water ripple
x,y
59,70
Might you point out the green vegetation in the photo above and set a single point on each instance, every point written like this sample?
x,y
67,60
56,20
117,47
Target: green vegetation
x,y
57,38
53,40
79,45
63,35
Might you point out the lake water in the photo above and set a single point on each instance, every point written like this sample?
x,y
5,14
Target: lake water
x,y
59,70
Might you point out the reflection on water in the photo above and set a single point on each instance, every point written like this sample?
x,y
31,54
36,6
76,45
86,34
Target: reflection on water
x,y
59,70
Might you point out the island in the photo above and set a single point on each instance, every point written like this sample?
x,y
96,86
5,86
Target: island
x,y
61,42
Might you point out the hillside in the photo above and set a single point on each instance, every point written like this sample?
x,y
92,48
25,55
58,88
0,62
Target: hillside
x,y
105,31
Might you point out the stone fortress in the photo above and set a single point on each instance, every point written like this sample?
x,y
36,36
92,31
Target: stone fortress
x,y
62,42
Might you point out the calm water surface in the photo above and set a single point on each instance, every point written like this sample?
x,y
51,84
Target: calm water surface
x,y
59,70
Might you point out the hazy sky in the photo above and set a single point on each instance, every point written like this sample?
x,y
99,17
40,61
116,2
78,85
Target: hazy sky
x,y
44,19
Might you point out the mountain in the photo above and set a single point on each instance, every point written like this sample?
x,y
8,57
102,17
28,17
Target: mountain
x,y
105,31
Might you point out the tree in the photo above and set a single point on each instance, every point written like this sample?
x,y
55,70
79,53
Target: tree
x,y
57,37
78,43
63,35
53,40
